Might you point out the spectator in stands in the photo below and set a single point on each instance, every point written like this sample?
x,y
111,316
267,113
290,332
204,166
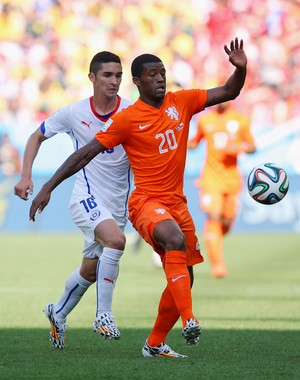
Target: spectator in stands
x,y
10,160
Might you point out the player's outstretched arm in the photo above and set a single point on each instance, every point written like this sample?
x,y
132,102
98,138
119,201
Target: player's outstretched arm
x,y
25,184
232,88
72,165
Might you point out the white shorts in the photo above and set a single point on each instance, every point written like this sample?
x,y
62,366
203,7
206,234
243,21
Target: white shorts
x,y
87,213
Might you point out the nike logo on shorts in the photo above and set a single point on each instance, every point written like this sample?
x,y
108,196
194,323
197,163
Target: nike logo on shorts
x,y
177,278
144,126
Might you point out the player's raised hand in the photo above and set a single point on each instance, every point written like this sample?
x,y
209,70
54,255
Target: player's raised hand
x,y
39,202
236,53
23,188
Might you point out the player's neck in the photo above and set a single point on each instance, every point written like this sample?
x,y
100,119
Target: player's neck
x,y
153,103
104,105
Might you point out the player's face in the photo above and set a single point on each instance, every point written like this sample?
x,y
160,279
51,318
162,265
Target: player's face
x,y
108,79
152,82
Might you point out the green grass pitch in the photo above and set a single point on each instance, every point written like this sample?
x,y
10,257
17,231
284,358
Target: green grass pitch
x,y
250,319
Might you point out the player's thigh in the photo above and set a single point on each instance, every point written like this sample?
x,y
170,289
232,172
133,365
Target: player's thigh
x,y
211,202
88,218
109,234
147,217
176,220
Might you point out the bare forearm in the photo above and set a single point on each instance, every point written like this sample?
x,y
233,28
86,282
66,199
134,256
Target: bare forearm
x,y
24,187
237,58
229,91
232,88
235,83
31,150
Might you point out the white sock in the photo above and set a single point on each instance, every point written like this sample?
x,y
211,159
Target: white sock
x,y
107,274
75,288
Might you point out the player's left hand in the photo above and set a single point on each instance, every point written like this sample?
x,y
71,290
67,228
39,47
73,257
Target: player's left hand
x,y
236,53
39,202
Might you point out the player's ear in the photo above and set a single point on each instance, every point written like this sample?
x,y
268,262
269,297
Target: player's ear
x,y
136,81
92,77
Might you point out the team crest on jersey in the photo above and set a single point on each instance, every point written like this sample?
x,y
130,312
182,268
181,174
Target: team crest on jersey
x,y
172,113
95,215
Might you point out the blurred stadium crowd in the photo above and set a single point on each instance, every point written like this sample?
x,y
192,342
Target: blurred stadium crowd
x,y
46,47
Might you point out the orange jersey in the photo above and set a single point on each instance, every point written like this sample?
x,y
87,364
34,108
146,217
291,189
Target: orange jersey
x,y
220,171
155,141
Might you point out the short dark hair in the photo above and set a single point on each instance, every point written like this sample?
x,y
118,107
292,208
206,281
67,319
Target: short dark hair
x,y
102,57
138,62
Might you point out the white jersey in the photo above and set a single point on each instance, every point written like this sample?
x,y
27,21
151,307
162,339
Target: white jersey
x,y
108,176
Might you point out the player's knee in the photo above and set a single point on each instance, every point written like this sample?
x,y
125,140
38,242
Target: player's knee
x,y
118,242
225,229
115,241
226,225
176,242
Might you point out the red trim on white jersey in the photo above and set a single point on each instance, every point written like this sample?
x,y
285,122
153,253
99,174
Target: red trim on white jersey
x,y
104,117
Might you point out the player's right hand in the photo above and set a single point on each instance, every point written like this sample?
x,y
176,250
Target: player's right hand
x,y
39,202
23,188
236,53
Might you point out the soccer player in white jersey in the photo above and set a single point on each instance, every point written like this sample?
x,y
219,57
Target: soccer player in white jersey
x,y
98,204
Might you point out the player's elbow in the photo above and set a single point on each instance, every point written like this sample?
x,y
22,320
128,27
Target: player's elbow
x,y
233,94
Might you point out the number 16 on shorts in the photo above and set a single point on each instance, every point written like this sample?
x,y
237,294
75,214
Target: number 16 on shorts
x,y
88,204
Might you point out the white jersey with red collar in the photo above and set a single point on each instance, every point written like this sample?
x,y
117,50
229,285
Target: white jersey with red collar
x,y
108,176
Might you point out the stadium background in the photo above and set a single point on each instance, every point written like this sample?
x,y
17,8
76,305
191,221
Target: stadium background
x,y
45,50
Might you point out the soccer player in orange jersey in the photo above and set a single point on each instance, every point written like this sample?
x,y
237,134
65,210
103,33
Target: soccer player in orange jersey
x,y
227,134
154,134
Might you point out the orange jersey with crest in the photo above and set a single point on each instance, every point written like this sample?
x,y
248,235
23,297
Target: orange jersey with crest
x,y
220,171
155,141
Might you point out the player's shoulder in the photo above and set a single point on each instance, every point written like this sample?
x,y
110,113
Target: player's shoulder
x,y
80,103
127,108
187,94
74,106
173,96
125,116
124,103
122,115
